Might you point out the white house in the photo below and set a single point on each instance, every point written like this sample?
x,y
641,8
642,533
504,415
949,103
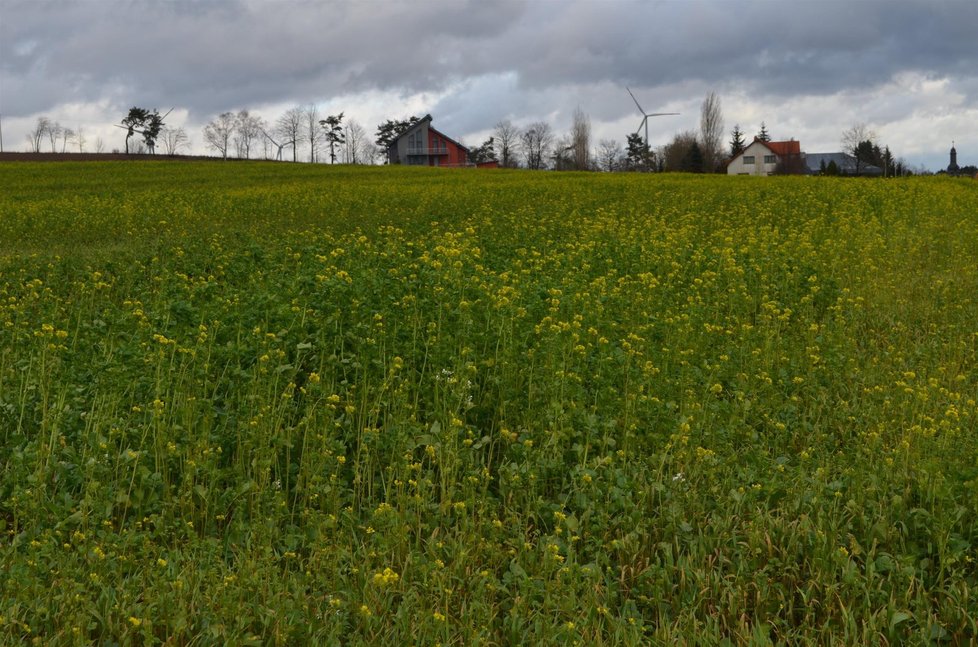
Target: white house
x,y
763,158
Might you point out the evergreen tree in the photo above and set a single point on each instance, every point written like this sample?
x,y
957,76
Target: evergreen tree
x,y
391,129
484,153
146,123
887,159
737,143
693,161
638,156
763,135
334,134
865,155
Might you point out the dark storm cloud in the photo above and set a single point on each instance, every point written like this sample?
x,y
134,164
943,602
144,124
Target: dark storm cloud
x,y
808,68
213,55
780,48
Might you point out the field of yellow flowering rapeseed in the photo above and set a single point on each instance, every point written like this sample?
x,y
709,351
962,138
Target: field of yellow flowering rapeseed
x,y
284,404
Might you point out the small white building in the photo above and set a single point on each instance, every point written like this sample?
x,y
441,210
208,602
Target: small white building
x,y
763,158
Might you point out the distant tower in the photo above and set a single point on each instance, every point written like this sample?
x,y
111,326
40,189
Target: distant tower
x,y
953,166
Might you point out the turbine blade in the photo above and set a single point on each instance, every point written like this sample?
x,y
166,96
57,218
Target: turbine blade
x,y
645,121
635,100
660,114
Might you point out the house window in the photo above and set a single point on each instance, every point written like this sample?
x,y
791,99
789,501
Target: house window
x,y
748,159
770,159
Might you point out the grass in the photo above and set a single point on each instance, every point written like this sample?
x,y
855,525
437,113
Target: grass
x,y
285,404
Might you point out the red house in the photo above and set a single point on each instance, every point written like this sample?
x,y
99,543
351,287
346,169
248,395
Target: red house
x,y
422,145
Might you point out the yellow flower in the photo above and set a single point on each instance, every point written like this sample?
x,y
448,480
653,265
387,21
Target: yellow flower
x,y
386,578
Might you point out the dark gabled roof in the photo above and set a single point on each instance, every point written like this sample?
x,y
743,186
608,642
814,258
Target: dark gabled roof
x,y
427,120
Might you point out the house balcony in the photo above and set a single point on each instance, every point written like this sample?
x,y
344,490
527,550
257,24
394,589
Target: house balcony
x,y
415,150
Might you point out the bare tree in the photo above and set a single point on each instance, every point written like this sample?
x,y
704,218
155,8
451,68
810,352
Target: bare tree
x,y
247,130
39,132
711,131
287,129
99,145
853,137
80,140
506,137
67,136
218,133
535,143
312,131
54,134
609,155
563,154
581,140
174,139
357,143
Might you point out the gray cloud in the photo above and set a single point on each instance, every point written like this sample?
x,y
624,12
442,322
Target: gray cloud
x,y
484,59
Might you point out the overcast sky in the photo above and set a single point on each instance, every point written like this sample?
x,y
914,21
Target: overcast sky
x,y
808,69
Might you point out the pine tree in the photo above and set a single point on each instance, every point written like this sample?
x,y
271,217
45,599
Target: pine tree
x,y
391,129
332,125
737,143
638,156
693,160
763,135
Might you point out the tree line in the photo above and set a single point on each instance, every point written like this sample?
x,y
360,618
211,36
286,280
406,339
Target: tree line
x,y
60,139
304,132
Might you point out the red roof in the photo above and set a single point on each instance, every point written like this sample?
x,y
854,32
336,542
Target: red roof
x,y
782,149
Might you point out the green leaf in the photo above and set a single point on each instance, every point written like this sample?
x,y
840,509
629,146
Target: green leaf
x,y
897,618
516,569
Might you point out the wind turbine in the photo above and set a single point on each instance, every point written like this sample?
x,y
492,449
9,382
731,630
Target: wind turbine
x,y
278,155
645,117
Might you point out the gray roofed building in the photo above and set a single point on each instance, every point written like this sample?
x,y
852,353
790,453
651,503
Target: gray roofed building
x,y
843,161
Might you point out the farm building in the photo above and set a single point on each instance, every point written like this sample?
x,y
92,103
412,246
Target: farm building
x,y
766,158
422,145
845,164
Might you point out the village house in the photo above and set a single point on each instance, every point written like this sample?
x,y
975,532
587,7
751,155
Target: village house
x,y
423,145
766,158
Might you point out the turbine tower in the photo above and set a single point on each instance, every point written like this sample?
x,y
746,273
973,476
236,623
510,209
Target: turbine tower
x,y
645,117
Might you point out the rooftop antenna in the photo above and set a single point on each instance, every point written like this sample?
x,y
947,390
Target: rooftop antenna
x,y
645,117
